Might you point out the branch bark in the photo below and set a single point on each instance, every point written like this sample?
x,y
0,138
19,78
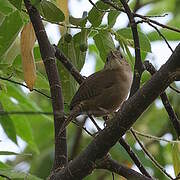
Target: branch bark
x,y
83,164
47,54
117,168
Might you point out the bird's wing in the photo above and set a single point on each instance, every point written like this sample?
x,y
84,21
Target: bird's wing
x,y
93,86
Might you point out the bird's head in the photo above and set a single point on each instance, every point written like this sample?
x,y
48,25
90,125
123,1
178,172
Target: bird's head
x,y
114,60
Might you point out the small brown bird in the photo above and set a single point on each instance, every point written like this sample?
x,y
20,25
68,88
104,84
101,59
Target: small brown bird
x,y
104,91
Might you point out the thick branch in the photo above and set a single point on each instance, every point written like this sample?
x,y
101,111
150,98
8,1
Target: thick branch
x,y
117,168
47,54
83,164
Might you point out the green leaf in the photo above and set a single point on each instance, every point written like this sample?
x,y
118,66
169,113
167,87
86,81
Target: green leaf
x,y
8,125
126,35
9,30
12,52
25,103
21,123
73,51
99,63
104,43
8,153
18,175
68,82
16,3
95,16
41,82
4,166
161,7
80,39
5,7
130,57
51,12
176,158
112,16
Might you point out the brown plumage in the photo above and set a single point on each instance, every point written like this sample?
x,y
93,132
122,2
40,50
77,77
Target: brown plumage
x,y
104,91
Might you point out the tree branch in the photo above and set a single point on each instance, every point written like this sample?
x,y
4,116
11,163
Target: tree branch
x,y
21,84
83,164
77,139
141,16
134,157
68,65
138,67
47,53
150,156
117,168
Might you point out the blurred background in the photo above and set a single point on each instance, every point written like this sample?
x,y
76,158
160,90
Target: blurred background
x,y
33,139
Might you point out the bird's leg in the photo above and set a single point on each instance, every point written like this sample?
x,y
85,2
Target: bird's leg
x,y
105,111
106,120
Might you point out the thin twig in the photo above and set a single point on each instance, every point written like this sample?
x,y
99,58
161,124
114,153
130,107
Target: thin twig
x,y
149,155
113,176
68,65
21,84
95,6
156,16
154,137
3,176
84,128
94,122
77,138
115,6
160,34
138,67
173,88
157,23
172,116
133,157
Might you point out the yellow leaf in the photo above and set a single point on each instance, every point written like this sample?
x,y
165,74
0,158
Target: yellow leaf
x,y
176,158
28,39
63,5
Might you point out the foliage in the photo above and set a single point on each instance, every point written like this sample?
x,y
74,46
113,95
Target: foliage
x,y
37,130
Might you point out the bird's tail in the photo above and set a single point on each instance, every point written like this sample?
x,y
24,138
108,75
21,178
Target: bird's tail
x,y
74,113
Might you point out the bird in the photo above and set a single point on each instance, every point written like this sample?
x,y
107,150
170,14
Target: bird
x,y
103,92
